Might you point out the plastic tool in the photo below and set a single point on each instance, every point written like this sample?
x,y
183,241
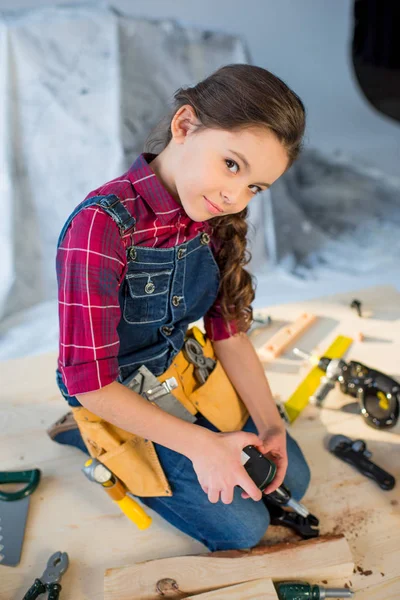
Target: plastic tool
x,y
305,591
50,580
356,454
99,473
300,397
262,471
14,508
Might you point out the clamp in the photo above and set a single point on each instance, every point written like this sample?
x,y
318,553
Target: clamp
x,y
49,582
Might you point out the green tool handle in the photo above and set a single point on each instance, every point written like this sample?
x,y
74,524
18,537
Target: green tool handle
x,y
31,478
298,591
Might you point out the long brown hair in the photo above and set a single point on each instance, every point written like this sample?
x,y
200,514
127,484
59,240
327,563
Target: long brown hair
x,y
234,97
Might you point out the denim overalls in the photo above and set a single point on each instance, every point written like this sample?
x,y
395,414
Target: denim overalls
x,y
165,290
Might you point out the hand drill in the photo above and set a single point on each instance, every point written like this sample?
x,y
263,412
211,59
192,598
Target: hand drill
x,y
377,393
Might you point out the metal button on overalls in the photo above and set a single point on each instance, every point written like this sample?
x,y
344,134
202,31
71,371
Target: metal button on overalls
x,y
181,252
167,330
149,287
176,300
204,238
132,253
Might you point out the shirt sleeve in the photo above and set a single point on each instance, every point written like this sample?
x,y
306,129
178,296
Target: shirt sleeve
x,y
215,325
91,264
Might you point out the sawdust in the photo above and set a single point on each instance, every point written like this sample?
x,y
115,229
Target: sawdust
x,y
362,572
265,549
352,524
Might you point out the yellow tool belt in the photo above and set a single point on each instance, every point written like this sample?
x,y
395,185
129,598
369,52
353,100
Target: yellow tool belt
x,y
133,459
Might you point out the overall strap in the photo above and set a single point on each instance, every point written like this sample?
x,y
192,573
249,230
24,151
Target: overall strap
x,y
112,205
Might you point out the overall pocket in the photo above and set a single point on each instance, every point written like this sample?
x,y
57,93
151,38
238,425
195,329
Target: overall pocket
x,y
146,296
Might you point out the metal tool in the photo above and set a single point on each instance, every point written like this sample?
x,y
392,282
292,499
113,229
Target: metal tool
x,y
356,454
14,508
300,397
259,322
378,394
143,382
262,471
204,365
99,473
306,527
357,305
49,581
283,497
305,591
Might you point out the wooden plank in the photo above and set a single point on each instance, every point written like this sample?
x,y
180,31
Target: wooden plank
x,y
286,336
321,557
251,590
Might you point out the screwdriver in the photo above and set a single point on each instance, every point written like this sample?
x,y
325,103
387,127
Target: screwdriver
x,y
305,591
262,471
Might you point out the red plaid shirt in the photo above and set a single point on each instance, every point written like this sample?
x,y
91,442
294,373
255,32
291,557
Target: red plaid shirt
x,y
91,265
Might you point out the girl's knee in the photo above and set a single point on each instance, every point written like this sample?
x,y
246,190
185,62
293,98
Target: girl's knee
x,y
246,529
298,474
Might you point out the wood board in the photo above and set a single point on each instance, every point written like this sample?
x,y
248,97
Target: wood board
x,y
195,574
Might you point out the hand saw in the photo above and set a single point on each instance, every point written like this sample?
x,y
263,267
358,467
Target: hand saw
x,y
13,513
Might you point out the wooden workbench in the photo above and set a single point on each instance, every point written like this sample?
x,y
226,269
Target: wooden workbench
x,y
69,513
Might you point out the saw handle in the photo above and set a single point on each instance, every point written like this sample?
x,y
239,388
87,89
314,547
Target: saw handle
x,y
31,478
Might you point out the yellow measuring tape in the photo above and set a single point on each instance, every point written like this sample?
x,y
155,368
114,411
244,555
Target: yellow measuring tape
x,y
299,399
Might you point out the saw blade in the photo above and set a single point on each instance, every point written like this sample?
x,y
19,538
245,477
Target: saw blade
x,y
13,516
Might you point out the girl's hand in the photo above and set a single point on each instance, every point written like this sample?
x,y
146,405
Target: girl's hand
x,y
218,465
274,446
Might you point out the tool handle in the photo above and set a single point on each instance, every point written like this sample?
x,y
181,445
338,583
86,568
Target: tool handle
x,y
54,591
31,478
371,470
135,512
296,591
35,590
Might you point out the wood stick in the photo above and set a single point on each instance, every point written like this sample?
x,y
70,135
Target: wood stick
x,y
285,336
182,576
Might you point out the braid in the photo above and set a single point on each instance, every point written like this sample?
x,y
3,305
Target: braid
x,y
236,282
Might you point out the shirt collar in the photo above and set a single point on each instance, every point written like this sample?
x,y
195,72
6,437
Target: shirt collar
x,y
152,191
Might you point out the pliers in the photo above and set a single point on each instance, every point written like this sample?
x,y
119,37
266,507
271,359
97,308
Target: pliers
x,y
49,582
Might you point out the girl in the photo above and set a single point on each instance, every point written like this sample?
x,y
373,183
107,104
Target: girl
x,y
141,258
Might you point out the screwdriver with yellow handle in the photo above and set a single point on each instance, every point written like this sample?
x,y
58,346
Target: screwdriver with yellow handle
x,y
99,473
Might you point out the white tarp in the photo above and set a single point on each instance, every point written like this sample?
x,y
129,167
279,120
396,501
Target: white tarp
x,y
81,87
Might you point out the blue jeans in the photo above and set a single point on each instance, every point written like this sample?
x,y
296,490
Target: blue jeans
x,y
220,526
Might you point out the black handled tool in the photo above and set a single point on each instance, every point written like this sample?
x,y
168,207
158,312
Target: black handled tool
x,y
356,454
49,581
378,394
262,471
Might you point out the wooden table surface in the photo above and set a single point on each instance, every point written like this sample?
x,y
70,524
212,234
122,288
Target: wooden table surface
x,y
69,513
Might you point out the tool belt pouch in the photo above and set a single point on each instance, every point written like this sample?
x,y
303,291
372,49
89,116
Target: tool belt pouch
x,y
216,399
131,458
